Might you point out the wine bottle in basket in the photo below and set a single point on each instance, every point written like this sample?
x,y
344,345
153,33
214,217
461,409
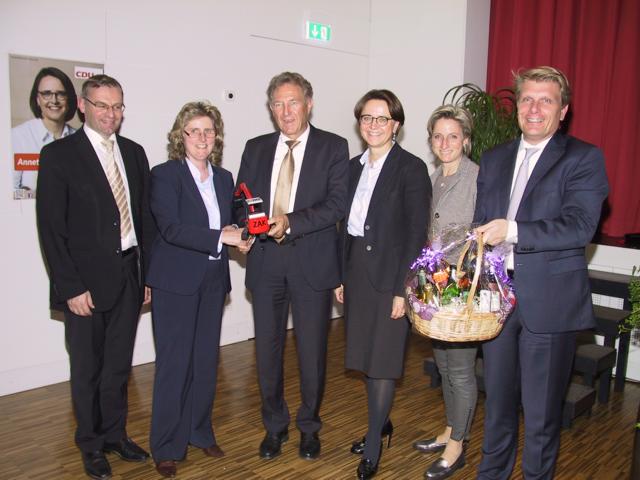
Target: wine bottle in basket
x,y
451,291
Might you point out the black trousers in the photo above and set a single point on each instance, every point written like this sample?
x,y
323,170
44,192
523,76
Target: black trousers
x,y
187,338
100,350
282,284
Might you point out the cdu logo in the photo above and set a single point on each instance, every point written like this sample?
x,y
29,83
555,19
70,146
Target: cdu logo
x,y
83,73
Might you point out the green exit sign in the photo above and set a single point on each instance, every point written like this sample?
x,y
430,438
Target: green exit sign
x,y
318,31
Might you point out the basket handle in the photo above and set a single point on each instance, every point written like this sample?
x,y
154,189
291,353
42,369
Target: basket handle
x,y
476,274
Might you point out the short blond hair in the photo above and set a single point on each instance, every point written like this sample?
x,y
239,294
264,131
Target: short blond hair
x,y
460,115
543,74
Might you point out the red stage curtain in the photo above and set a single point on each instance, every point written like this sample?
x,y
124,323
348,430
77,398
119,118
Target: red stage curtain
x,y
596,43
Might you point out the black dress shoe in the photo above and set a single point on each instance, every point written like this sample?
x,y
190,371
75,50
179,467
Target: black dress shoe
x,y
387,431
429,446
441,469
272,443
127,450
367,469
96,465
309,445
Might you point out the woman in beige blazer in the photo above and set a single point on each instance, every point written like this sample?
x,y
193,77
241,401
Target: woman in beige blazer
x,y
454,198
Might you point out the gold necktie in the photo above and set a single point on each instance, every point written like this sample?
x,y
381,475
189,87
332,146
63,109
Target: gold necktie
x,y
285,180
117,187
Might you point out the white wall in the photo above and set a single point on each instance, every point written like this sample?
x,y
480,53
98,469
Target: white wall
x,y
166,55
420,49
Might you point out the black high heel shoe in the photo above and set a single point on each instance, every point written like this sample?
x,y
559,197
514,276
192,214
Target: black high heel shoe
x,y
367,469
387,431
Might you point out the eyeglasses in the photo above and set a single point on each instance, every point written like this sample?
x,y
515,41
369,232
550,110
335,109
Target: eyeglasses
x,y
103,107
59,94
197,133
368,120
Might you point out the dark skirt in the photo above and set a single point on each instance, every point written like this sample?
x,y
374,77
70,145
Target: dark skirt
x,y
376,343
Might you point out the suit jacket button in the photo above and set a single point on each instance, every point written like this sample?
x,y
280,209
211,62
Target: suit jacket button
x,y
368,248
437,215
367,227
118,251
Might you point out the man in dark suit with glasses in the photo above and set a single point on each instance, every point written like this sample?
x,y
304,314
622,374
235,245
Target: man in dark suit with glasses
x,y
95,230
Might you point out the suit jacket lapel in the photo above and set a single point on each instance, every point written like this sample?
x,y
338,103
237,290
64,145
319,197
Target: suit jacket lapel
x,y
508,166
263,188
355,170
92,162
462,171
551,154
391,165
311,155
192,190
222,195
131,170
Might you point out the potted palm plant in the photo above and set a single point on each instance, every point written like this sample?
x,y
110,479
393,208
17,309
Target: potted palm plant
x,y
633,320
494,115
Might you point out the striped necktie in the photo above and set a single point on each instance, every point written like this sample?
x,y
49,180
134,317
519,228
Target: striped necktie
x,y
117,187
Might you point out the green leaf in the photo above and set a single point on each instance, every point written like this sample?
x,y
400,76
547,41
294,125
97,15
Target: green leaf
x,y
494,116
633,320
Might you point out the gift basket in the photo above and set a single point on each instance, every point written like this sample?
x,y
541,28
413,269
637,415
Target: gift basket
x,y
461,300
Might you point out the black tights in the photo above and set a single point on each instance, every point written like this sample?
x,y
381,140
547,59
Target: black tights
x,y
380,392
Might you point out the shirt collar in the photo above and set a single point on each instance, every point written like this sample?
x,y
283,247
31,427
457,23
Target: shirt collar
x,y
302,138
46,135
364,159
95,138
195,173
540,146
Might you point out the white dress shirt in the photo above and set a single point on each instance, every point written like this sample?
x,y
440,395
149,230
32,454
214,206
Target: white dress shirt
x,y
364,190
30,137
208,194
96,139
298,156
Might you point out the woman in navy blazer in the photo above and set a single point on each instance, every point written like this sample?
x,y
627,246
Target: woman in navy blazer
x,y
191,200
386,226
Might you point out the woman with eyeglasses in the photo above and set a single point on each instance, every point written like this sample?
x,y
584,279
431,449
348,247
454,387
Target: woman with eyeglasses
x,y
191,200
53,102
383,232
454,198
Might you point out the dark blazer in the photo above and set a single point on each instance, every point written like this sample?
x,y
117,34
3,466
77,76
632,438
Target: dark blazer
x,y
79,221
557,218
319,204
180,254
397,223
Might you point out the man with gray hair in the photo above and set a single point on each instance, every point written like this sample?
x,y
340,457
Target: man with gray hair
x,y
301,174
